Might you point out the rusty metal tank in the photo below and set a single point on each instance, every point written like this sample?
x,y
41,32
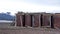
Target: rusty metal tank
x,y
28,20
36,20
46,19
57,20
19,19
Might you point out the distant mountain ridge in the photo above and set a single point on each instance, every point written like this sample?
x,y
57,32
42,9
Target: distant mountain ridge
x,y
6,16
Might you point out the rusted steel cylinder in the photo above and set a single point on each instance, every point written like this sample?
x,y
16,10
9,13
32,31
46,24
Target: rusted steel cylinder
x,y
36,20
19,19
28,20
46,19
56,20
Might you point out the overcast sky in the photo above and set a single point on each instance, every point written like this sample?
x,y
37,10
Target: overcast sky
x,y
14,6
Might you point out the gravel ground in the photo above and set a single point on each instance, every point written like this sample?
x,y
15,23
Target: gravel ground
x,y
15,30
